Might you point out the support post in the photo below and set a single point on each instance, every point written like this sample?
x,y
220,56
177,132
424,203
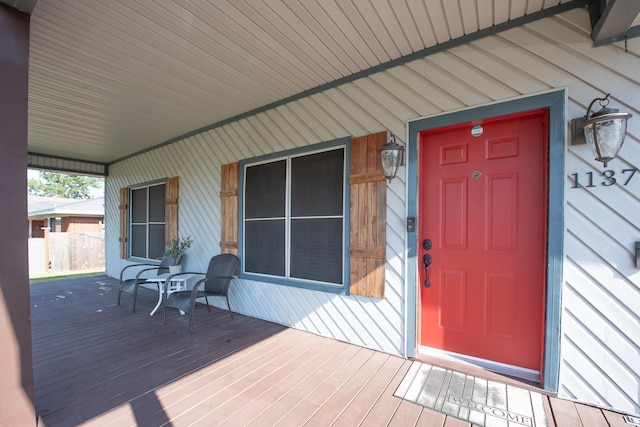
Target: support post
x,y
16,388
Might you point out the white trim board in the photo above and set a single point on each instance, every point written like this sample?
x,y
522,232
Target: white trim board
x,y
497,367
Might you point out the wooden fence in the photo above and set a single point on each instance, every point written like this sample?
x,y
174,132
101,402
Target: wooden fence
x,y
63,252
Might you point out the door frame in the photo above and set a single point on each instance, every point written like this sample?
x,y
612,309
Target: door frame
x,y
555,101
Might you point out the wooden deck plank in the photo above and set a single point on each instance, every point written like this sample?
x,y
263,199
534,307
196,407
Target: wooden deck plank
x,y
342,398
299,409
232,388
430,418
207,383
92,376
546,402
168,366
407,414
406,384
615,419
565,413
248,356
306,374
591,416
288,397
368,397
99,364
172,359
263,389
387,405
211,390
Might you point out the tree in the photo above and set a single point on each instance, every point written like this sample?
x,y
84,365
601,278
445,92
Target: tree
x,y
53,184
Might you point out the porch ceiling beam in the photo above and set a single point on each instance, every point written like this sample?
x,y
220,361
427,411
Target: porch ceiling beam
x,y
65,164
615,20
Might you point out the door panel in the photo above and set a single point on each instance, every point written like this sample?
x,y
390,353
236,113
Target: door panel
x,y
453,299
483,204
500,292
454,213
502,212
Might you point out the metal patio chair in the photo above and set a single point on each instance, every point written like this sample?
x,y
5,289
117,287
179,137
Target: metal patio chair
x,y
130,286
216,283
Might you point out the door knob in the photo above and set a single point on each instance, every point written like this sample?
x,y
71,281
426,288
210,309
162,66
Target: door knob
x,y
427,260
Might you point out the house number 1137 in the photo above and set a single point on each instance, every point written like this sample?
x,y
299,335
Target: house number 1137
x,y
609,178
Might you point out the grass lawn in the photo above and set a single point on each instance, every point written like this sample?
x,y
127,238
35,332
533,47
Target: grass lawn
x,y
43,278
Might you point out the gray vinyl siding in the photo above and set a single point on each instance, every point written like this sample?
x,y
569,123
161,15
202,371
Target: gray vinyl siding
x,y
600,325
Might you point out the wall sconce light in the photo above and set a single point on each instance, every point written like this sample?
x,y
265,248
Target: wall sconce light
x,y
603,131
391,156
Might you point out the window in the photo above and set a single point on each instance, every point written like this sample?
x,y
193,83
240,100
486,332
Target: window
x,y
147,221
293,218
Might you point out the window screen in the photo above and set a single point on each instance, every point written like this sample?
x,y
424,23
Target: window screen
x,y
139,240
316,249
139,205
147,208
265,246
294,217
266,190
317,183
156,203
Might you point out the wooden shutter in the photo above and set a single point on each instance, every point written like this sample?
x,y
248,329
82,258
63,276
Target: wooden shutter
x,y
229,209
171,208
368,217
124,224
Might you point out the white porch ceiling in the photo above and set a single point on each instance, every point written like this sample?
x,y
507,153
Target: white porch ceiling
x,y
114,77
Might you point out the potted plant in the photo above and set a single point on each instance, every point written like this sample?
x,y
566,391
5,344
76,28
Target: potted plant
x,y
176,249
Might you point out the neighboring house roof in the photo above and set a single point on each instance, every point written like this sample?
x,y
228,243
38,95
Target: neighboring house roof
x,y
47,207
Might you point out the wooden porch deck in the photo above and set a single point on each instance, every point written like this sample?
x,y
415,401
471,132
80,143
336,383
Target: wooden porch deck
x,y
99,364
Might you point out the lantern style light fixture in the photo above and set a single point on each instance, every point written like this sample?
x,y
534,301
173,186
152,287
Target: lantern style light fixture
x,y
604,130
391,157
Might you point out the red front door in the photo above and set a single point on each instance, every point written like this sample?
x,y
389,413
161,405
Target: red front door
x,y
483,207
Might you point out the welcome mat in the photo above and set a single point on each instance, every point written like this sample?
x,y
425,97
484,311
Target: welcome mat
x,y
475,400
